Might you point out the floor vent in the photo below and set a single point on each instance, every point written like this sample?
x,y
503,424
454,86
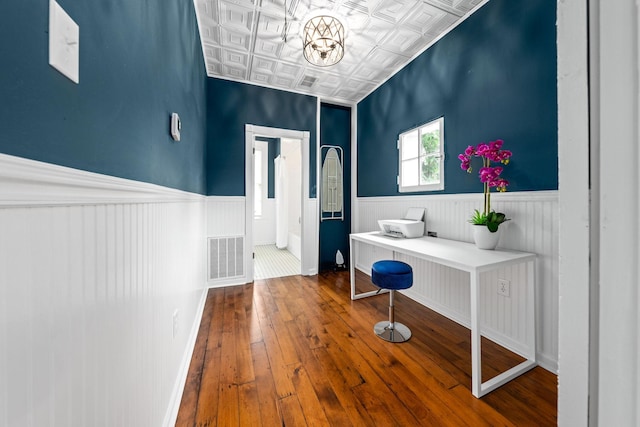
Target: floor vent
x,y
226,257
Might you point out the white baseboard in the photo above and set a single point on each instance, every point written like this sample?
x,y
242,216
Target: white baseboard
x,y
221,283
176,397
547,363
263,243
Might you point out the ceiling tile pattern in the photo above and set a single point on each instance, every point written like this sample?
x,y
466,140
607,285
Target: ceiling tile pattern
x,y
248,41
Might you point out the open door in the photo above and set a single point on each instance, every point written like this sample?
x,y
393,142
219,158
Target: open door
x,y
308,217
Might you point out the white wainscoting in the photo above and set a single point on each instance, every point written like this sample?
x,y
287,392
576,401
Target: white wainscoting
x,y
226,218
310,237
533,228
92,270
264,232
294,245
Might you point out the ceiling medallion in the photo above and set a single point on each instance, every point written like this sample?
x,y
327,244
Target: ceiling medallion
x,y
323,43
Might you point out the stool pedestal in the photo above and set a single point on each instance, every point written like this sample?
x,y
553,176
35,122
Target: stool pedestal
x,y
391,330
392,275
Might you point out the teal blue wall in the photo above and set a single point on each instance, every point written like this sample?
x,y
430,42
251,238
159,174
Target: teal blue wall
x,y
231,105
335,129
139,62
492,77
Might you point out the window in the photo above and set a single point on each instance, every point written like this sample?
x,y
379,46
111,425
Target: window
x,y
260,177
421,154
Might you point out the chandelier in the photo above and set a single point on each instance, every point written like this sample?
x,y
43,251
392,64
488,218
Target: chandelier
x,y
323,43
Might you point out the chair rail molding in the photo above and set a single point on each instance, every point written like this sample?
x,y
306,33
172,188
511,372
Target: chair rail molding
x,y
30,182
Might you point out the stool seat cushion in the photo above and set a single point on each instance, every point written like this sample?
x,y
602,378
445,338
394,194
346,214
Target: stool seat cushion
x,y
391,274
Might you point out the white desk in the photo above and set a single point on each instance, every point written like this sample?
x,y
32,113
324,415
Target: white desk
x,y
466,257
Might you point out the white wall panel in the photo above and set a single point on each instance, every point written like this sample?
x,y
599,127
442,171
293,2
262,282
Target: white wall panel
x,y
310,254
225,216
291,150
533,228
264,232
88,288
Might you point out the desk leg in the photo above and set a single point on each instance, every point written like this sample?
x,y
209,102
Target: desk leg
x,y
476,363
352,275
531,315
352,269
478,388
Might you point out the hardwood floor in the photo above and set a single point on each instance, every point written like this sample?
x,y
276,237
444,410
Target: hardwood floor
x,y
296,351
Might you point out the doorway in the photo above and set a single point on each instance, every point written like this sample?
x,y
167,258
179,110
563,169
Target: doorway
x,y
301,238
277,207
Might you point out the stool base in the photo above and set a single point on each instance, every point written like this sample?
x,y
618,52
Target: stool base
x,y
397,333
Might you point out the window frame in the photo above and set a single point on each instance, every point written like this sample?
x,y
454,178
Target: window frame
x,y
440,155
263,148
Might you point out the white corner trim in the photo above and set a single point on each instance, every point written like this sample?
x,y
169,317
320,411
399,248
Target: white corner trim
x,y
25,182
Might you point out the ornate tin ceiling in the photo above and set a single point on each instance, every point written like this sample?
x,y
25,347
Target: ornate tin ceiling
x,y
248,41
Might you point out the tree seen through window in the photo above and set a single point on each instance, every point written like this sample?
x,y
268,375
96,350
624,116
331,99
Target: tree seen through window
x,y
421,158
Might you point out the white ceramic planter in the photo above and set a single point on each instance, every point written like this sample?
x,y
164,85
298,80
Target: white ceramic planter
x,y
485,239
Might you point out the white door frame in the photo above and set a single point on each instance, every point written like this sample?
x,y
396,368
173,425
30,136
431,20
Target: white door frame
x,y
574,215
599,329
309,221
616,113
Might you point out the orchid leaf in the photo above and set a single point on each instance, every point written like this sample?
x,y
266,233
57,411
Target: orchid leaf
x,y
493,226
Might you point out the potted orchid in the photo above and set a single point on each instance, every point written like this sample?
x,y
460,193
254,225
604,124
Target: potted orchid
x,y
490,178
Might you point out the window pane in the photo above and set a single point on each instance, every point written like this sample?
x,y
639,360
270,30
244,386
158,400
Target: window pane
x,y
431,127
409,145
410,173
421,158
257,183
258,166
431,140
430,168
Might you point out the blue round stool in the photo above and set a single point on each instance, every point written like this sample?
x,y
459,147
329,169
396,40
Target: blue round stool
x,y
392,275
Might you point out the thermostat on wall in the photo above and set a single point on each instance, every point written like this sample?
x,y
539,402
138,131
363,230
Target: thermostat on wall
x,y
175,126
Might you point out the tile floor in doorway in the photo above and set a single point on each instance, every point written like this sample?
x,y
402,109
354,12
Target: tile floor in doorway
x,y
273,262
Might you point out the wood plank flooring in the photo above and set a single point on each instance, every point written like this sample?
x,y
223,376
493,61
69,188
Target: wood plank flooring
x,y
296,351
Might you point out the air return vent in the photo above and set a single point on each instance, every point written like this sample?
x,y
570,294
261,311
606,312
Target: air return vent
x,y
308,81
226,257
